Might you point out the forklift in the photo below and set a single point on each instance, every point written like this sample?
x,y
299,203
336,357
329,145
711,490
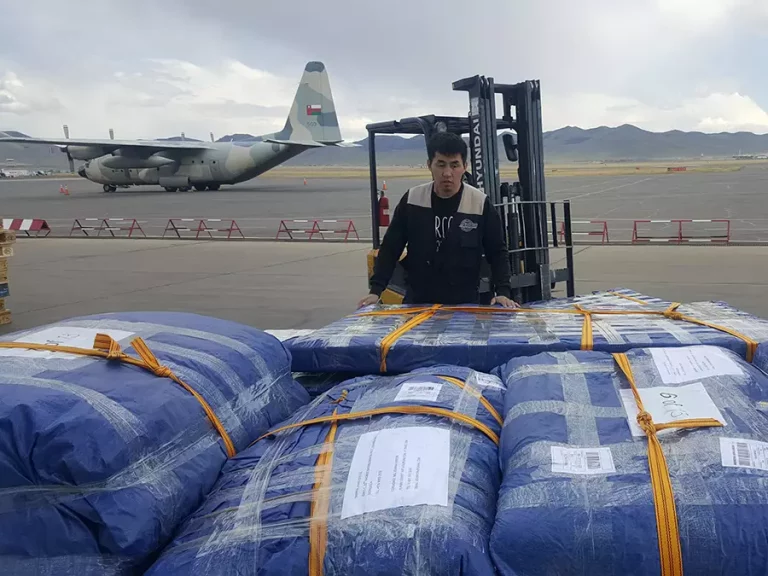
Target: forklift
x,y
522,205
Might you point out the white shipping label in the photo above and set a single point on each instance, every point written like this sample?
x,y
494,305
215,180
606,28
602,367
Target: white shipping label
x,y
582,460
686,364
670,404
488,381
398,467
742,453
418,391
61,336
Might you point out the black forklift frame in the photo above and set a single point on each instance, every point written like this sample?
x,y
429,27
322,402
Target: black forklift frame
x,y
522,205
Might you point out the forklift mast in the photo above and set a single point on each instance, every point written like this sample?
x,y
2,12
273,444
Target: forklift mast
x,y
522,205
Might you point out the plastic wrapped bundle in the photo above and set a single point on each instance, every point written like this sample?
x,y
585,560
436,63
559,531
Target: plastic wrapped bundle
x,y
397,339
646,463
113,428
381,475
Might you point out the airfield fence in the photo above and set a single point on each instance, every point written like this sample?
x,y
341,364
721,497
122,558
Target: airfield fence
x,y
587,231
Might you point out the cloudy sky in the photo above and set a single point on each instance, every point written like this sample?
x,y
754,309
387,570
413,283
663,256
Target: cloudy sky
x,y
150,69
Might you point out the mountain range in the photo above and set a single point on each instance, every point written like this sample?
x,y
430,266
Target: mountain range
x,y
569,144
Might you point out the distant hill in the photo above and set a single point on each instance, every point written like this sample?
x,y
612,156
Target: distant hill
x,y
239,138
569,144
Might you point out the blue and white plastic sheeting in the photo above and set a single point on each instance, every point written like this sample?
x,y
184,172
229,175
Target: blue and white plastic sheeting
x,y
100,460
576,494
482,341
400,493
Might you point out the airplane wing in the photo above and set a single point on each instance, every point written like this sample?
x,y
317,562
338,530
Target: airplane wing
x,y
114,144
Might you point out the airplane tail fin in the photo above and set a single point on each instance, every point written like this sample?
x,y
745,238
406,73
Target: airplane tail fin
x,y
313,114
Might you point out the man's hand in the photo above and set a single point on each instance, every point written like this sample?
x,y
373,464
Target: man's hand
x,y
368,300
505,302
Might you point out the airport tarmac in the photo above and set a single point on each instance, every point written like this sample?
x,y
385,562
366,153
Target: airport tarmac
x,y
259,205
280,285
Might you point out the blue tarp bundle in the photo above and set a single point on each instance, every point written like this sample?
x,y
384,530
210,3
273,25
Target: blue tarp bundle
x,y
576,495
399,493
101,460
482,341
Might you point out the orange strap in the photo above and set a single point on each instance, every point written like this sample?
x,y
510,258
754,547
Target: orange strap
x,y
426,410
321,492
632,298
104,346
587,335
477,394
663,498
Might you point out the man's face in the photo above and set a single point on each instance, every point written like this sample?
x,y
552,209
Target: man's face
x,y
447,172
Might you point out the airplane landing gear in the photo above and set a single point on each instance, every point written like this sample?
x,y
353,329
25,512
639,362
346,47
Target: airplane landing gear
x,y
108,188
199,187
214,187
170,188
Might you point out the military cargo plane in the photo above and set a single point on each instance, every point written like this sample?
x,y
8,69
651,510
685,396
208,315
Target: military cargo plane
x,y
181,165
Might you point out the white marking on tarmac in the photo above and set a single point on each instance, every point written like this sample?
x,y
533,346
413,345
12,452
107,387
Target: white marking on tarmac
x,y
613,188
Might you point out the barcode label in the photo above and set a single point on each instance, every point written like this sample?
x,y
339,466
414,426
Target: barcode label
x,y
742,453
418,391
593,461
582,460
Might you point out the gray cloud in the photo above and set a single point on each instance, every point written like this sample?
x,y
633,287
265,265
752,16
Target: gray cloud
x,y
601,61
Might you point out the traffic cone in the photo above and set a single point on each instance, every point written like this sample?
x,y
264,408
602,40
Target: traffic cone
x,y
305,181
61,189
385,185
66,190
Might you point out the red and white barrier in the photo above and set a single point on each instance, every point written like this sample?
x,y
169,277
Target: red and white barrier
x,y
197,226
209,225
28,226
309,228
593,228
110,225
679,231
345,227
299,227
129,225
718,231
180,225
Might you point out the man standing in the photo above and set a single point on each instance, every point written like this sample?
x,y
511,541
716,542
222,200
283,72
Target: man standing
x,y
447,225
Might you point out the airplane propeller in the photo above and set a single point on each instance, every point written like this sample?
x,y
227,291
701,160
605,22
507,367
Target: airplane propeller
x,y
66,149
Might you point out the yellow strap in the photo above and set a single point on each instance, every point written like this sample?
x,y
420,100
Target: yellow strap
x,y
477,394
587,334
104,346
390,339
321,490
587,339
427,410
632,298
663,498
752,345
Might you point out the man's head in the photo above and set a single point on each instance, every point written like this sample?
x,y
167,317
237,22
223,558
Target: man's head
x,y
447,160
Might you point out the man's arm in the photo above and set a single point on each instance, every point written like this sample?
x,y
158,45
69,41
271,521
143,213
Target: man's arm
x,y
496,252
391,248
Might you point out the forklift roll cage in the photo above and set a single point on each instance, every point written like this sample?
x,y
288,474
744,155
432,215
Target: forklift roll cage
x,y
522,205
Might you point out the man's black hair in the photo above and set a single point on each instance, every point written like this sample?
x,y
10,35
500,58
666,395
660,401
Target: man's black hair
x,y
448,144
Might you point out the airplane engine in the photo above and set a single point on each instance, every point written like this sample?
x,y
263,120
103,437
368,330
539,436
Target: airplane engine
x,y
85,152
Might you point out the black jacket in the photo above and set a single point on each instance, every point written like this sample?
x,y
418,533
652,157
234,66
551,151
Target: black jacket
x,y
452,274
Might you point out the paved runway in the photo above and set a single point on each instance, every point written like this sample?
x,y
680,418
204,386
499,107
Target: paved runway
x,y
292,286
259,205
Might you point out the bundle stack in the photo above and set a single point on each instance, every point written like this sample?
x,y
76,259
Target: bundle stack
x,y
381,475
7,240
646,463
397,339
115,426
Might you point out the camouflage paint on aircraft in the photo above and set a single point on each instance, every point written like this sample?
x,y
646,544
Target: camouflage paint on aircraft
x,y
180,165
